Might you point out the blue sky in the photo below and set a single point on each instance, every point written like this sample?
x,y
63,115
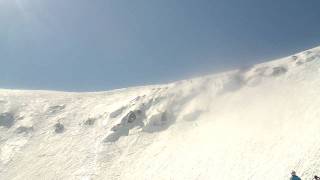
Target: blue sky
x,y
93,45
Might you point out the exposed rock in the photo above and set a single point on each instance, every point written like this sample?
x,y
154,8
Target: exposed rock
x,y
90,122
233,84
132,117
294,57
117,112
55,109
277,71
7,120
58,128
131,120
299,63
23,129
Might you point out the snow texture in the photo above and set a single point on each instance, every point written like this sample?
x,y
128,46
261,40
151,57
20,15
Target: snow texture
x,y
252,123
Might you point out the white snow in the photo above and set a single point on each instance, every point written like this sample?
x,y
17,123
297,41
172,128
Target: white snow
x,y
256,123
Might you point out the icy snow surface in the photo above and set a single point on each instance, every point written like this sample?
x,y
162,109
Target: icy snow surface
x,y
255,123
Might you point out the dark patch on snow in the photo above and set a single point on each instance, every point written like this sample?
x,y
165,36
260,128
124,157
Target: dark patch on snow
x,y
59,128
255,78
277,71
158,122
116,127
299,63
136,99
309,59
55,109
20,118
164,117
307,52
306,60
132,119
115,136
90,122
117,112
24,130
7,120
261,71
294,58
233,84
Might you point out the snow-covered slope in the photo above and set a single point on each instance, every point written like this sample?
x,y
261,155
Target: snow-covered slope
x,y
256,123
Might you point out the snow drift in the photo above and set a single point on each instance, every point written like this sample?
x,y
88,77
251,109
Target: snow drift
x,y
253,123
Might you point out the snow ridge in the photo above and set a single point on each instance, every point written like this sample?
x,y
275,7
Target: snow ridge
x,y
251,123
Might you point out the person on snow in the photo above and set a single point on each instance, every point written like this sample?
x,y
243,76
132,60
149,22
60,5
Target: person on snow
x,y
316,178
294,176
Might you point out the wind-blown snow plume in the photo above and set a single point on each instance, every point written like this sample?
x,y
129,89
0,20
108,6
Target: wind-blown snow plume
x,y
256,123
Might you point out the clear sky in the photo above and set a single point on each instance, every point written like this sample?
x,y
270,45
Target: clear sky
x,y
91,45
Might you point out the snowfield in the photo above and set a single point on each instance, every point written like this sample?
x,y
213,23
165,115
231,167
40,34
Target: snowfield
x,y
249,124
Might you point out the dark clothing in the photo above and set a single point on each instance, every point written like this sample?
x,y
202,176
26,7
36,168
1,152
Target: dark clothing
x,y
294,177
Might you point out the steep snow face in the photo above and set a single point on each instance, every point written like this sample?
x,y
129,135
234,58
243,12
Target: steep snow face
x,y
252,123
